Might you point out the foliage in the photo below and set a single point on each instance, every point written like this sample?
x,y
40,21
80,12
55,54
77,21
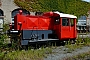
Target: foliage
x,y
79,43
37,54
31,5
3,37
83,56
76,7
5,27
2,40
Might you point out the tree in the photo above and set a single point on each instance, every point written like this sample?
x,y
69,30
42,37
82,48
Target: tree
x,y
76,7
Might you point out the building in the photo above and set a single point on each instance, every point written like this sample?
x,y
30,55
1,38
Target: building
x,y
8,10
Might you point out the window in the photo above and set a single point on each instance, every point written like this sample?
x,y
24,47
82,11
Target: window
x,y
65,22
57,20
71,22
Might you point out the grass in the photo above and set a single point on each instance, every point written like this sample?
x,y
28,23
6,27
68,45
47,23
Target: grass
x,y
73,47
36,54
83,56
79,44
39,54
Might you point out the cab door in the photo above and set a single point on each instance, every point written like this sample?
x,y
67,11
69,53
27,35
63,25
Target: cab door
x,y
72,22
68,28
65,28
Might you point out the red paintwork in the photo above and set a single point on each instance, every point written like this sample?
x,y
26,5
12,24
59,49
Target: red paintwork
x,y
45,22
32,22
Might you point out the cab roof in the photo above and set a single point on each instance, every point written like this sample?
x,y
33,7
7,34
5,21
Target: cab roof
x,y
65,15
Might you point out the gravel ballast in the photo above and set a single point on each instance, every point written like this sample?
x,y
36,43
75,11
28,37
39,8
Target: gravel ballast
x,y
62,53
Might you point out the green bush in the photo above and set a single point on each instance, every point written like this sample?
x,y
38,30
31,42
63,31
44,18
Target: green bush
x,y
3,37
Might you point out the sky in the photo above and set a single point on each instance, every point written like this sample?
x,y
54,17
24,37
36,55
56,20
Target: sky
x,y
87,0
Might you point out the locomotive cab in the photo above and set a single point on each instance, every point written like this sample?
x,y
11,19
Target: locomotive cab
x,y
66,28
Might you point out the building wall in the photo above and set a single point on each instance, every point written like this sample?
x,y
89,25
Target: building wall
x,y
7,6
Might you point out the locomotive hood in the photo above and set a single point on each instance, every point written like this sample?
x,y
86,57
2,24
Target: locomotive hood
x,y
65,15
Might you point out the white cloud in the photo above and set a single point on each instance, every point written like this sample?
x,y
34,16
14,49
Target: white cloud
x,y
87,0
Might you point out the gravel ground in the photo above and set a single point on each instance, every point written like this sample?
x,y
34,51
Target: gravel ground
x,y
61,53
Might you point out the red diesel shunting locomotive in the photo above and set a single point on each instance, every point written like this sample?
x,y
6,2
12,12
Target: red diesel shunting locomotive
x,y
46,27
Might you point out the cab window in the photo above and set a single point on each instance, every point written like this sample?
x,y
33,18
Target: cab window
x,y
57,20
65,21
71,22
